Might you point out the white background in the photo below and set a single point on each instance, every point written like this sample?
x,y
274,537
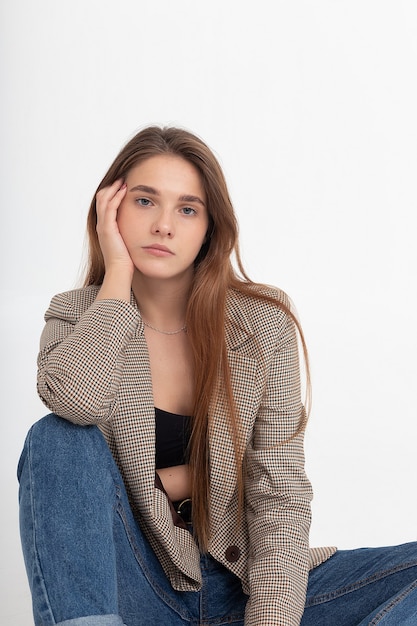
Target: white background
x,y
311,109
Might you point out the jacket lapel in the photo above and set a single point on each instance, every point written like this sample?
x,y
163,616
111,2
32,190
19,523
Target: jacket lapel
x,y
243,367
136,416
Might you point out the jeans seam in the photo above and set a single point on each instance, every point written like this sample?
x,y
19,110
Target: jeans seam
x,y
205,620
393,604
37,561
314,600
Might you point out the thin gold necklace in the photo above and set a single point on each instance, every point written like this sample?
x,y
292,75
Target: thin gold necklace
x,y
166,332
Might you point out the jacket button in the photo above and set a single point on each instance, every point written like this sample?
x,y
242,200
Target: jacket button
x,y
232,554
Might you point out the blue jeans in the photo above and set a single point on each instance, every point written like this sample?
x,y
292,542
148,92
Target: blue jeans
x,y
89,564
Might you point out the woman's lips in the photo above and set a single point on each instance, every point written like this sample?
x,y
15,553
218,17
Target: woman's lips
x,y
158,250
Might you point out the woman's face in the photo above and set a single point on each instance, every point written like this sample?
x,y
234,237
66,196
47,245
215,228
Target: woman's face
x,y
163,218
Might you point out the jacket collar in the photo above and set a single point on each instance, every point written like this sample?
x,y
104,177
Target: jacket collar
x,y
238,324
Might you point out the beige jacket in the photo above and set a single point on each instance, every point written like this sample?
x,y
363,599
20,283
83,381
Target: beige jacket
x,y
94,369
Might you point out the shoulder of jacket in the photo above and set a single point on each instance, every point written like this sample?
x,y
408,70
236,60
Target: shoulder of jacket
x,y
71,304
261,300
261,311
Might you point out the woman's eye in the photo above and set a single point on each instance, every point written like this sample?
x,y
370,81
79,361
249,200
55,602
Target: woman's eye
x,y
187,210
143,201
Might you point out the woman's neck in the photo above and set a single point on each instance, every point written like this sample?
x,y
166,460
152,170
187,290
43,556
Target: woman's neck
x,y
162,303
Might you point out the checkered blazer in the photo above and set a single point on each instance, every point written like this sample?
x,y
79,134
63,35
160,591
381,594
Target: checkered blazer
x,y
93,368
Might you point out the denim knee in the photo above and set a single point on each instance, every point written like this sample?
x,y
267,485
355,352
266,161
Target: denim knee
x,y
53,437
53,427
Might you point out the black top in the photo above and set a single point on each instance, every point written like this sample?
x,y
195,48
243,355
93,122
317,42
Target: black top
x,y
172,437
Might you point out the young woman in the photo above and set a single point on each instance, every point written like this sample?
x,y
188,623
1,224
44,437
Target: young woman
x,y
168,486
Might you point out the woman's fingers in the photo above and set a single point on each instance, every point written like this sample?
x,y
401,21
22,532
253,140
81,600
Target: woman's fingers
x,y
114,250
109,198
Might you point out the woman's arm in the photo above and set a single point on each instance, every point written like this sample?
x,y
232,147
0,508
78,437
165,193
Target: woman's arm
x,y
278,496
83,344
82,355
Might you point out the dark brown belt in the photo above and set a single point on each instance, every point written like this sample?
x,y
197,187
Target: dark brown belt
x,y
180,510
184,509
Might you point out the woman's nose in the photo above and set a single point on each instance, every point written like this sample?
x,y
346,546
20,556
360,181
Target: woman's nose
x,y
163,224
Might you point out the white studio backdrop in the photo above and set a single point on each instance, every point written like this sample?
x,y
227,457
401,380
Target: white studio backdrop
x,y
310,107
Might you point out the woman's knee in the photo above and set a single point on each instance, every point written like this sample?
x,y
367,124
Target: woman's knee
x,y
56,442
65,468
54,427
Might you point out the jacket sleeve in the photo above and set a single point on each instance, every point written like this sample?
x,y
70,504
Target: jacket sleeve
x,y
278,496
81,356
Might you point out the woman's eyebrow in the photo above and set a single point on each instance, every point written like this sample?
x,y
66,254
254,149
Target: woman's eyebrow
x,y
146,189
188,198
155,192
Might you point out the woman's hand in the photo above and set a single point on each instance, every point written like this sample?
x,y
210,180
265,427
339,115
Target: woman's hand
x,y
112,245
118,263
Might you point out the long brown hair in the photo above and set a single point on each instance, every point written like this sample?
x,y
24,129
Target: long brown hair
x,y
214,276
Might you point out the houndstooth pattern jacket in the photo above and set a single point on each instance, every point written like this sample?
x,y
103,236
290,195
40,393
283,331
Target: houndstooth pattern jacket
x,y
93,368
